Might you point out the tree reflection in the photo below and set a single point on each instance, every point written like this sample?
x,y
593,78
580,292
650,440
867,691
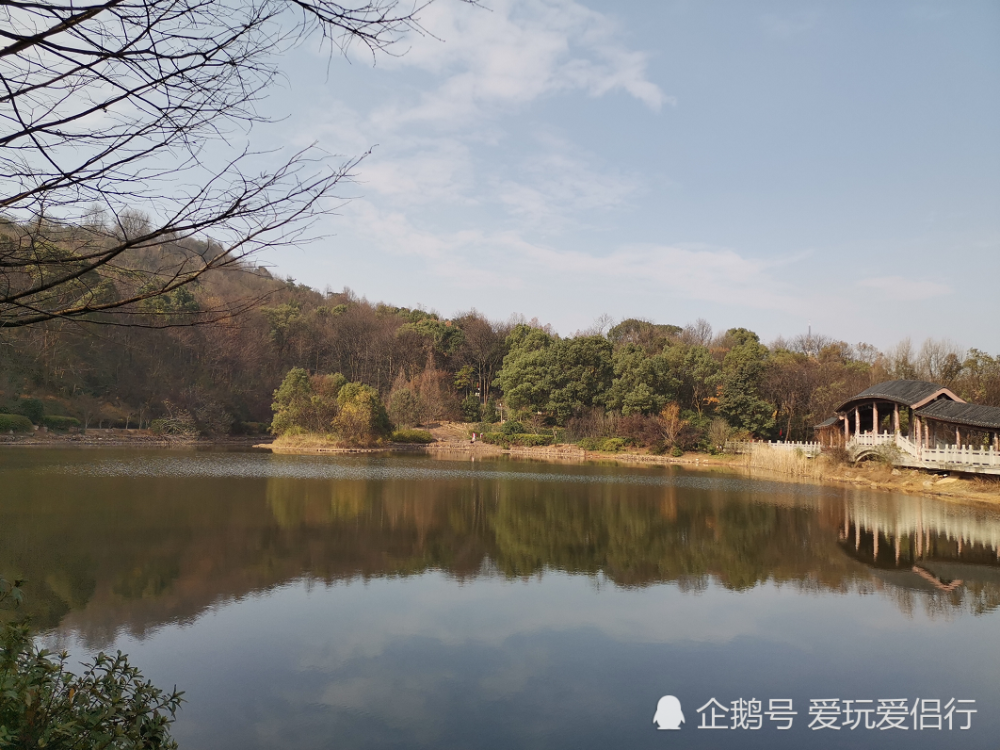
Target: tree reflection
x,y
113,553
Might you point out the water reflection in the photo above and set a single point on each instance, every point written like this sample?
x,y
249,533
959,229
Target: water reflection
x,y
133,540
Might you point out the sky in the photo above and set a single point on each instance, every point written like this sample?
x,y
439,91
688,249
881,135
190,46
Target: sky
x,y
770,165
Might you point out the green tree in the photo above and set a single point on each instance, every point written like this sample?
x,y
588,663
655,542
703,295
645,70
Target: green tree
x,y
557,376
362,419
579,374
292,402
642,384
743,370
304,403
524,377
650,336
701,376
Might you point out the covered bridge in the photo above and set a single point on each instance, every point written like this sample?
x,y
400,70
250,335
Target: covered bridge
x,y
914,414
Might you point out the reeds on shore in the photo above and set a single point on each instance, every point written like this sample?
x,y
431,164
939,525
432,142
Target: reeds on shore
x,y
793,462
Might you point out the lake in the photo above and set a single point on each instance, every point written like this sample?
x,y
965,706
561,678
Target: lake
x,y
413,602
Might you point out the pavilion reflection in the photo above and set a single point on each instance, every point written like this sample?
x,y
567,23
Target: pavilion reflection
x,y
921,546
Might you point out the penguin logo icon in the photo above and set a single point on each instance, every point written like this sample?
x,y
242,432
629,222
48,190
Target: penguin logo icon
x,y
668,713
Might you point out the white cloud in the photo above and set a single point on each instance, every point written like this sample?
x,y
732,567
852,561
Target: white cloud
x,y
900,289
506,259
512,54
439,171
557,188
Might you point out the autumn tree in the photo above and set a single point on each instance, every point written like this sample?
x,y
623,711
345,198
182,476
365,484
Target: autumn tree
x,y
361,418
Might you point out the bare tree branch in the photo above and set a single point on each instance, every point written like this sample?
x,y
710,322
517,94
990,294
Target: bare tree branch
x,y
113,105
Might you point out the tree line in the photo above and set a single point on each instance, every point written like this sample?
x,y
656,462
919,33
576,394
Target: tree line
x,y
638,381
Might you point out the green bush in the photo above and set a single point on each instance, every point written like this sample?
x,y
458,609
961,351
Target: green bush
x,y
529,441
15,423
608,445
109,705
512,427
32,408
59,423
412,436
676,451
523,439
471,408
490,413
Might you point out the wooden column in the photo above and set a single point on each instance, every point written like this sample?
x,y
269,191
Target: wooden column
x,y
958,437
874,418
847,428
857,421
895,419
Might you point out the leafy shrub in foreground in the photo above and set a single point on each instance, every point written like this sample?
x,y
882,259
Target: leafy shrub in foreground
x,y
110,705
412,436
15,423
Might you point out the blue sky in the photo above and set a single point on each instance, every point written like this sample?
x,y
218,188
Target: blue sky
x,y
763,164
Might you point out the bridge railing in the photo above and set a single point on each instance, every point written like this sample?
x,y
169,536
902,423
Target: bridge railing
x,y
960,455
963,455
871,439
913,454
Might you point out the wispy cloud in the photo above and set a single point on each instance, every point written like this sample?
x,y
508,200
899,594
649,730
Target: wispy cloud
x,y
559,187
789,25
506,259
900,289
515,53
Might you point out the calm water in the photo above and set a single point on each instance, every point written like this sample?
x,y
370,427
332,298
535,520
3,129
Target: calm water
x,y
401,602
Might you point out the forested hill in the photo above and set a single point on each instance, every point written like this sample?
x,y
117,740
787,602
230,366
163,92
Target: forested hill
x,y
222,376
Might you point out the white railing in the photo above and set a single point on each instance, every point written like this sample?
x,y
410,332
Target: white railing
x,y
869,438
962,454
958,455
911,453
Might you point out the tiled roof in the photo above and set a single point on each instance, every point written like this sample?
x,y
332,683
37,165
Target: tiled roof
x,y
973,415
904,392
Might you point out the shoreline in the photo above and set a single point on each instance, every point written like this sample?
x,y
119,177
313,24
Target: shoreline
x,y
120,438
877,477
961,488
